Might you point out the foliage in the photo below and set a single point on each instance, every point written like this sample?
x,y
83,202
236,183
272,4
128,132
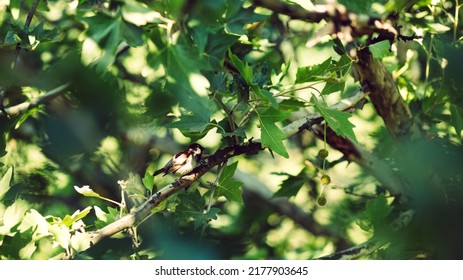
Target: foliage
x,y
141,80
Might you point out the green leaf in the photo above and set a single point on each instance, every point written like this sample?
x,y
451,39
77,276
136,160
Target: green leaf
x,y
272,136
377,210
457,119
81,241
337,120
26,252
109,32
61,234
237,17
331,87
193,126
86,191
76,216
228,188
14,214
148,181
5,182
291,105
312,73
45,35
37,222
290,187
437,28
380,49
242,67
140,14
191,207
206,217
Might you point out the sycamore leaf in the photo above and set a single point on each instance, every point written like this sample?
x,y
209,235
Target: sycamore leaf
x,y
76,216
148,181
337,120
192,207
5,182
380,49
228,188
14,214
271,136
242,67
109,32
457,119
86,191
81,241
206,217
312,73
376,212
238,17
44,35
61,234
331,87
37,222
290,187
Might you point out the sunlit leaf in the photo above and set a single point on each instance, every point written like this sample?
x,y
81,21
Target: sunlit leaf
x,y
312,73
80,241
380,49
86,191
337,120
61,234
272,136
15,213
33,219
77,215
5,182
26,252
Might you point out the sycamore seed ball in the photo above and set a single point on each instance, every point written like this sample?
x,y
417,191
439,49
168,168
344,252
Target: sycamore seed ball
x,y
325,179
323,153
321,200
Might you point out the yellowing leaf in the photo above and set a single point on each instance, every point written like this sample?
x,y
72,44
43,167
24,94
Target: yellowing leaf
x,y
5,182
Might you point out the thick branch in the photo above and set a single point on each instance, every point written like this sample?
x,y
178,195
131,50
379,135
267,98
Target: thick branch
x,y
385,96
336,13
25,106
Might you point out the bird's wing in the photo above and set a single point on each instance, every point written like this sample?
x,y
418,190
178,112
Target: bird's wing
x,y
177,161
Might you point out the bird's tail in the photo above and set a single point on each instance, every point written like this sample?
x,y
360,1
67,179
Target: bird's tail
x,y
157,172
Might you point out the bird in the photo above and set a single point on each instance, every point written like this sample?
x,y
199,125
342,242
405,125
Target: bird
x,y
183,162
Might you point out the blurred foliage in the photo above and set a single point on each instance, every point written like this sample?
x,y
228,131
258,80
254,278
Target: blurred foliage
x,y
146,78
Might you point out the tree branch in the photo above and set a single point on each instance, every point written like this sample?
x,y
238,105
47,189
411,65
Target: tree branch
x,y
27,24
343,20
23,107
385,96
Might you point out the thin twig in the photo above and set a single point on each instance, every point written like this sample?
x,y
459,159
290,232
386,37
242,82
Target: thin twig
x,y
27,24
23,107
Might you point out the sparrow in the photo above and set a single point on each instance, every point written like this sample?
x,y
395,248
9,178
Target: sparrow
x,y
183,162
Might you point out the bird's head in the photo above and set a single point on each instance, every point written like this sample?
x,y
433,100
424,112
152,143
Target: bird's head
x,y
195,149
